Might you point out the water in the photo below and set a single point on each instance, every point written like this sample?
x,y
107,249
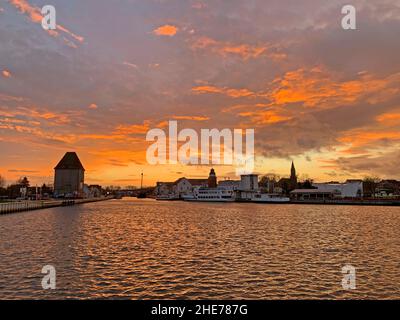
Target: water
x,y
144,249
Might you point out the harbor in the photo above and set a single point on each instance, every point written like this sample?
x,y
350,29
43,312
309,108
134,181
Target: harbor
x,y
251,189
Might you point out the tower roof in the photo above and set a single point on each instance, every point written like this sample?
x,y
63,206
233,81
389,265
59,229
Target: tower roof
x,y
70,161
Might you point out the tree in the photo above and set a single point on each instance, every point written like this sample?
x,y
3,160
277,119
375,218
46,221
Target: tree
x,y
307,184
23,182
2,182
369,185
269,181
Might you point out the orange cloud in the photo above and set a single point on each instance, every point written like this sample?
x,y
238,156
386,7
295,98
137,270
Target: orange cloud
x,y
73,35
93,106
244,51
316,87
265,117
359,138
233,93
166,30
239,93
24,7
133,129
207,89
34,13
389,118
6,73
194,118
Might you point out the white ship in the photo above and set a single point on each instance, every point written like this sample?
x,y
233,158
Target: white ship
x,y
218,194
268,198
167,197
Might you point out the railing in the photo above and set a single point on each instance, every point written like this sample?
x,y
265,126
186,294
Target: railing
x,y
18,206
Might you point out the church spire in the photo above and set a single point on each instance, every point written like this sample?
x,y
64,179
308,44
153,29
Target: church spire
x,y
293,177
292,170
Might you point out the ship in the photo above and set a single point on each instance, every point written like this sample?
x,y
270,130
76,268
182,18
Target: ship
x,y
268,198
167,197
204,194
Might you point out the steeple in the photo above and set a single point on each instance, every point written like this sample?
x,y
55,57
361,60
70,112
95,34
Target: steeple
x,y
293,171
293,177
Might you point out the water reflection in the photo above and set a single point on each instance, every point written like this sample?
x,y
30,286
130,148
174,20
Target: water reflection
x,y
142,249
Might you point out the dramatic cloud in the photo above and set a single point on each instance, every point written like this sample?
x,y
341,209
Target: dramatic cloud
x,y
316,88
35,15
166,30
243,50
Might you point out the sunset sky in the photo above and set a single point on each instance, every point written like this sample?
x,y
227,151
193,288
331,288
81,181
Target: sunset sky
x,y
325,97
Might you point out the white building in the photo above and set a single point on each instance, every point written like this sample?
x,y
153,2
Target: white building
x,y
230,184
349,189
248,187
249,182
179,188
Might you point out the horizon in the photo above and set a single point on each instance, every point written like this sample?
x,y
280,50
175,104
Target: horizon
x,y
324,97
301,177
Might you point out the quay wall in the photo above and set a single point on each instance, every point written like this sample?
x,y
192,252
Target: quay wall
x,y
20,206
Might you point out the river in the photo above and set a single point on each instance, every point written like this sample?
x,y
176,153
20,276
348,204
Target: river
x,y
144,249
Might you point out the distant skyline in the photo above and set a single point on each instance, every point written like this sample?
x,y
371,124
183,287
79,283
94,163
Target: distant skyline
x,y
325,97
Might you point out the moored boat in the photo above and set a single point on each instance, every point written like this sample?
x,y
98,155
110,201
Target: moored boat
x,y
218,194
268,198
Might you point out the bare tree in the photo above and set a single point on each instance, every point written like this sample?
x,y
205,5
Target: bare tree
x,y
2,181
369,185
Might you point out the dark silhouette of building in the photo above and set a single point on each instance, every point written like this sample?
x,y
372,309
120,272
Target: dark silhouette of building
x,y
212,179
69,176
293,177
289,184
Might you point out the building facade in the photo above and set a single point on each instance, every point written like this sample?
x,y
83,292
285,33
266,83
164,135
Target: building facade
x,y
285,185
212,179
249,182
179,188
348,189
69,177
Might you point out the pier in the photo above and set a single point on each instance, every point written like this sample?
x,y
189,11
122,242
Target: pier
x,y
20,206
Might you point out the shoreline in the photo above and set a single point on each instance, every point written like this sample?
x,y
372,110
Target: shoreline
x,y
30,205
383,203
23,206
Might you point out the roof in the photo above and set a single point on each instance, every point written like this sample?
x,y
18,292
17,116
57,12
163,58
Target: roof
x,y
166,183
195,182
70,161
348,189
309,191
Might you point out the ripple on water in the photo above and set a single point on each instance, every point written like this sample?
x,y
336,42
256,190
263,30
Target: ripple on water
x,y
143,249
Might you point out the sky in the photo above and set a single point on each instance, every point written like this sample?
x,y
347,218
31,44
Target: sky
x,y
324,97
